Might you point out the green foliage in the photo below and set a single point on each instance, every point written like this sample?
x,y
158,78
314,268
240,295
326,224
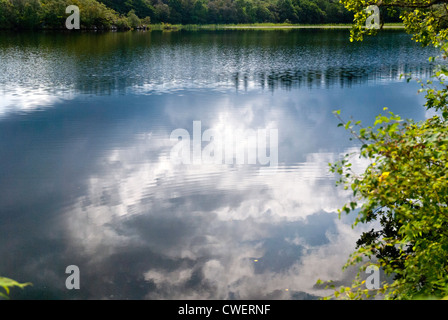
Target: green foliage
x,y
287,11
19,13
93,13
32,14
142,8
122,23
53,13
236,11
7,284
50,14
146,21
133,20
5,14
404,187
426,20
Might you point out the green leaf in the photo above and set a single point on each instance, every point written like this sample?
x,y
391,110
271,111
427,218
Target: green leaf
x,y
7,283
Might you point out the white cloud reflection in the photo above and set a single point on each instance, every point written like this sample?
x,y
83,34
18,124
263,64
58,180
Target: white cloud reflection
x,y
19,99
218,217
195,231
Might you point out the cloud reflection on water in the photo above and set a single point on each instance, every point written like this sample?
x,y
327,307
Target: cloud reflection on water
x,y
210,222
88,180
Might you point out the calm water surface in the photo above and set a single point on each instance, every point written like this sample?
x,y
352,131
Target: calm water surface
x,y
86,176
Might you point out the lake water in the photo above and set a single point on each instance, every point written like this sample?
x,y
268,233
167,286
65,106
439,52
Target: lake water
x,y
87,176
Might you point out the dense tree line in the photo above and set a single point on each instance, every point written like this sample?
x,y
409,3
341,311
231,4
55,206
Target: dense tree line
x,y
51,14
125,14
235,11
240,11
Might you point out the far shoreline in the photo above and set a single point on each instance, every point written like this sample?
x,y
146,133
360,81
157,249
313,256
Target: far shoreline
x,y
217,27
263,26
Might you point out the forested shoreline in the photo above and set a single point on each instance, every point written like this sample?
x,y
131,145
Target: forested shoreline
x,y
125,15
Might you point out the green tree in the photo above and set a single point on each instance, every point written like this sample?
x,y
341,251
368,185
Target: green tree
x,y
146,21
310,12
53,13
200,11
335,12
162,12
120,6
142,8
427,20
5,14
92,13
404,187
287,11
133,20
263,13
24,14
